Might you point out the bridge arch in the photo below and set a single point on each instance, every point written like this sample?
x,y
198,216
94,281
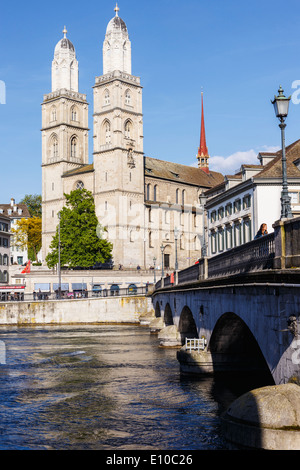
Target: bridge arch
x,y
168,317
233,341
187,326
157,310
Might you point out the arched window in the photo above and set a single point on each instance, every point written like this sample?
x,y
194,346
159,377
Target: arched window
x,y
177,196
183,197
106,97
107,132
128,129
5,260
148,192
0,259
155,192
53,113
74,147
127,97
79,185
73,113
54,146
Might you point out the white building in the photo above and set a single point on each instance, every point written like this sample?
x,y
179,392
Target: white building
x,y
238,206
15,212
4,249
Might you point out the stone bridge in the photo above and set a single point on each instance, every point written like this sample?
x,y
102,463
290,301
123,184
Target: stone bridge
x,y
246,316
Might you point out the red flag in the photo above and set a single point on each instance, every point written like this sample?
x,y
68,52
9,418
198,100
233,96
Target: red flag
x,y
27,268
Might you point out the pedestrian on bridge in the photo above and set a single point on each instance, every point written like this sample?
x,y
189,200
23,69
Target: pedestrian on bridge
x,y
262,231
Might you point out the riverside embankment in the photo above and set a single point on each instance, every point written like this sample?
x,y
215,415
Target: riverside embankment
x,y
77,311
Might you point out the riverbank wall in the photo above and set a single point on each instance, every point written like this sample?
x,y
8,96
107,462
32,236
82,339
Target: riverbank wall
x,y
129,309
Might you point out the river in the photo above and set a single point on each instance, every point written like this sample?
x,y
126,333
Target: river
x,y
104,387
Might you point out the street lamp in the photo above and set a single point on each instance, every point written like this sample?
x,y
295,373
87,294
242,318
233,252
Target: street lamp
x,y
202,202
176,234
58,267
162,249
281,107
154,261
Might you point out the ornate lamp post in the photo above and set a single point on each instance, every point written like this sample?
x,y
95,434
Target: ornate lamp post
x,y
154,261
176,234
281,107
58,265
162,249
202,201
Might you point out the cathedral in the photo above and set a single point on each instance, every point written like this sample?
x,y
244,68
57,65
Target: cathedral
x,y
150,207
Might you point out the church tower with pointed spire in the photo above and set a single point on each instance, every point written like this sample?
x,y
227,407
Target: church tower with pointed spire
x,y
203,156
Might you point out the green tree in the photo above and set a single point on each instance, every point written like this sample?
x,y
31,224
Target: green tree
x,y
34,204
80,242
28,234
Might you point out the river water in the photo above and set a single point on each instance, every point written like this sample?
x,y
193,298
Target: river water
x,y
102,387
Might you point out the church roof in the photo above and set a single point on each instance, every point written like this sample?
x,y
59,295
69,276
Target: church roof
x,y
78,171
64,43
181,173
116,23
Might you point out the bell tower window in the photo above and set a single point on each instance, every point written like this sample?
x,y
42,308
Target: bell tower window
x,y
74,147
128,129
127,97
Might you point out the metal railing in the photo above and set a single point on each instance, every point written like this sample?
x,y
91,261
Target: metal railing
x,y
255,255
195,344
74,295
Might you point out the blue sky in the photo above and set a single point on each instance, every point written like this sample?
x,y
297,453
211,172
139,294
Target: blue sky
x,y
238,52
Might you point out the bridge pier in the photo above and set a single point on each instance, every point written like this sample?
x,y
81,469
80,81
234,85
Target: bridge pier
x,y
208,363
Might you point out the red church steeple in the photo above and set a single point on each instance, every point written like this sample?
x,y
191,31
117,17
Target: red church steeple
x,y
203,155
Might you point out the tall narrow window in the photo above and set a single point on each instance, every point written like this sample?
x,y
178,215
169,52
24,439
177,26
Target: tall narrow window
x,y
177,196
106,97
53,113
73,114
127,97
73,147
107,132
148,192
55,147
183,197
128,129
155,192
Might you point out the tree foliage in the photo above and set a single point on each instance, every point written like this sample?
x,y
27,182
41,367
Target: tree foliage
x,y
80,243
34,204
28,234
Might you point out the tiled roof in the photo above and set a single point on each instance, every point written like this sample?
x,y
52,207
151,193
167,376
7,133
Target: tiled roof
x,y
78,171
273,169
14,214
181,173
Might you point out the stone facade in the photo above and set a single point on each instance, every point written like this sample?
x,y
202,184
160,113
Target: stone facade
x,y
140,200
4,249
242,202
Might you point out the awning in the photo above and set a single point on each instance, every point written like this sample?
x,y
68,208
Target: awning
x,y
44,287
79,286
97,287
14,288
63,286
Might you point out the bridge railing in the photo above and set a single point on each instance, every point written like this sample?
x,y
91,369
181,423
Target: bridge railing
x,y
195,344
253,256
80,294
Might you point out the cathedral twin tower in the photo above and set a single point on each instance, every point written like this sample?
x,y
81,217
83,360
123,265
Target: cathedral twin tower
x,y
117,135
141,201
